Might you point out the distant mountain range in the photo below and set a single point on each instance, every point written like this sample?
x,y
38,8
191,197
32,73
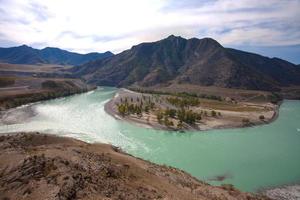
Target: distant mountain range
x,y
27,55
193,61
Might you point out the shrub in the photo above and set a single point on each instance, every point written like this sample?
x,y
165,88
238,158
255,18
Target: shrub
x,y
180,125
213,113
50,85
159,116
167,122
170,112
261,117
6,81
246,121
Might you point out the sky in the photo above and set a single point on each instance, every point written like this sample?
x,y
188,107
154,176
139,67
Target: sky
x,y
268,27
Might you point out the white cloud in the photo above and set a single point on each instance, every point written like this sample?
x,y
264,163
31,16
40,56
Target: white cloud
x,y
99,25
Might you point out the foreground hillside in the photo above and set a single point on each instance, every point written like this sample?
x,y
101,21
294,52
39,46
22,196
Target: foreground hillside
x,y
37,166
204,62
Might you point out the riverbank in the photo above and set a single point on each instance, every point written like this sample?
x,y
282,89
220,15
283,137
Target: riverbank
x,y
215,114
39,166
23,84
290,192
11,97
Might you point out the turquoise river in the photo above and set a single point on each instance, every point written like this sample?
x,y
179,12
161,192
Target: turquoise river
x,y
249,158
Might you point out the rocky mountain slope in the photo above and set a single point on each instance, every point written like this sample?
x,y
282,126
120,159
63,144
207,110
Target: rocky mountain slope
x,y
27,55
194,61
37,166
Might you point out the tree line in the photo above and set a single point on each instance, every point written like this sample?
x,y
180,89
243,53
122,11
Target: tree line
x,y
182,114
135,106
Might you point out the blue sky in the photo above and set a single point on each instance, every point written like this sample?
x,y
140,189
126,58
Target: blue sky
x,y
270,27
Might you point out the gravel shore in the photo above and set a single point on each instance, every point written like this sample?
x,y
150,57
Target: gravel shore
x,y
290,192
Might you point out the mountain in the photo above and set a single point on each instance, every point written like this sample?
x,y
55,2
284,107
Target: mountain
x,y
193,61
20,55
28,55
59,56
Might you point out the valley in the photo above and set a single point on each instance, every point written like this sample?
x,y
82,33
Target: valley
x,y
250,158
191,93
149,100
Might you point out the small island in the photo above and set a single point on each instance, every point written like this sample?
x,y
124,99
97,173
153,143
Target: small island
x,y
191,111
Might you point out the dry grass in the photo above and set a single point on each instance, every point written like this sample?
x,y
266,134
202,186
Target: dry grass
x,y
31,68
223,105
238,94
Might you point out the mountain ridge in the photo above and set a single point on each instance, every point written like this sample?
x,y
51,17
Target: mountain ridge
x,y
195,61
49,55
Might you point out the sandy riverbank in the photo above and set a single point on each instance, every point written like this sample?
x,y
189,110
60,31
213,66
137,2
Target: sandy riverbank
x,y
232,114
38,166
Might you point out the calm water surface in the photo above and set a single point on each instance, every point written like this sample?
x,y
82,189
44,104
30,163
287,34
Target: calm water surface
x,y
249,158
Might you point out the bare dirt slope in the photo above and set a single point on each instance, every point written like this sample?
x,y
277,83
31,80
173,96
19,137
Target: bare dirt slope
x,y
37,166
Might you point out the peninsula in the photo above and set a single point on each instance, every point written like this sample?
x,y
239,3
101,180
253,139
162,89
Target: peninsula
x,y
186,111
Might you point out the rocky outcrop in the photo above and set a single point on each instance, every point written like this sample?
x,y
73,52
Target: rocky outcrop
x,y
38,166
